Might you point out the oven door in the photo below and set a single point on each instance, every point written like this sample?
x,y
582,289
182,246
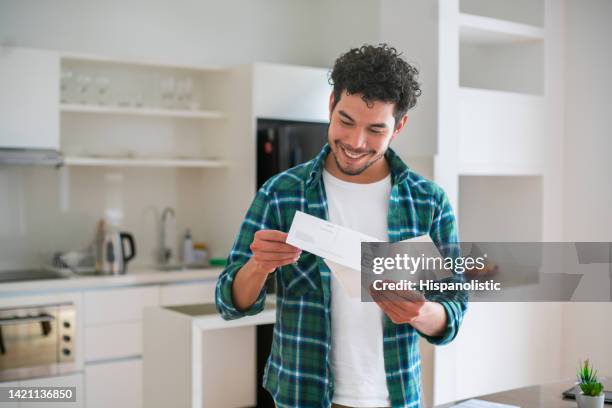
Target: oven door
x,y
35,341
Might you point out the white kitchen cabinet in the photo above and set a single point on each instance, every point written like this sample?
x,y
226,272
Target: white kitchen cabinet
x,y
114,384
73,380
276,88
115,340
187,293
29,101
118,305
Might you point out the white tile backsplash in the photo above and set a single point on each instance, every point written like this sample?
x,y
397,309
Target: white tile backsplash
x,y
43,209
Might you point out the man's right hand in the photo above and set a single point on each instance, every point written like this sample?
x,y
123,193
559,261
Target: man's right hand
x,y
271,251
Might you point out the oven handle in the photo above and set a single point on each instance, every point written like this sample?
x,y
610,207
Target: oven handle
x,y
44,317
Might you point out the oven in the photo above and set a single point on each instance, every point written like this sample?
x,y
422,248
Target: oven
x,y
37,341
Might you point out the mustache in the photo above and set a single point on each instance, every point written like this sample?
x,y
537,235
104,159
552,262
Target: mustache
x,y
349,149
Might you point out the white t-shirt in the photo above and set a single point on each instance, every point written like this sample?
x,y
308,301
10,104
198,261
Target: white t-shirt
x,y
357,357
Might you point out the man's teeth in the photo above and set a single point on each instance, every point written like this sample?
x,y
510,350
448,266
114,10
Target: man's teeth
x,y
353,155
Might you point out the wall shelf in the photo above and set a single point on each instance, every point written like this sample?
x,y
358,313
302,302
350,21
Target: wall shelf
x,y
144,111
142,162
481,30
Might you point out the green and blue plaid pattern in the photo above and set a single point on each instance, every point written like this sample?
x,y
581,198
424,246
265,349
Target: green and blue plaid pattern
x,y
298,372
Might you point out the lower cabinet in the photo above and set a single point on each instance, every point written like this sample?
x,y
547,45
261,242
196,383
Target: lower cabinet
x,y
112,339
115,384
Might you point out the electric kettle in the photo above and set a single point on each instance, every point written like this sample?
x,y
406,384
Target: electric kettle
x,y
111,257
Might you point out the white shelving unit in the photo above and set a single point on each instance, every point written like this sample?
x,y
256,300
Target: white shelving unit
x,y
126,113
499,162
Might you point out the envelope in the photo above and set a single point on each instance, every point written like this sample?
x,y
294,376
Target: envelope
x,y
340,247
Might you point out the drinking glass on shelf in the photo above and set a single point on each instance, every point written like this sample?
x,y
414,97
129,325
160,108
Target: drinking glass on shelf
x,y
168,89
102,85
123,98
137,100
185,91
84,81
66,80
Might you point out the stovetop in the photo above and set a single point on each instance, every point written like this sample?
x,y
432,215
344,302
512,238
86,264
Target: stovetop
x,y
28,274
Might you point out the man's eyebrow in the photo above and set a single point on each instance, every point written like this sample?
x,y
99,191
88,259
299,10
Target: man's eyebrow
x,y
379,125
345,115
373,125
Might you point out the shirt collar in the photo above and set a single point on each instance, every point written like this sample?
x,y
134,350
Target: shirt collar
x,y
399,169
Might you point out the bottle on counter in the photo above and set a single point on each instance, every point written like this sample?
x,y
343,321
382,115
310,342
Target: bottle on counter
x,y
187,249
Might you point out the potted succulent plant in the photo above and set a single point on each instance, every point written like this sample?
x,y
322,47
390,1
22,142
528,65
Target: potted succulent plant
x,y
591,395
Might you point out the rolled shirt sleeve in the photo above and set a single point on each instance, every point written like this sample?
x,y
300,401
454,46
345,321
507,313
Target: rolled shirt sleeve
x,y
445,235
259,216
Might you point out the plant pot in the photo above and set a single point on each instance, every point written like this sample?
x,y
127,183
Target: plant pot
x,y
585,401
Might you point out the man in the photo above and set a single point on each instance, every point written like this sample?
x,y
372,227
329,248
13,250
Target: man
x,y
329,349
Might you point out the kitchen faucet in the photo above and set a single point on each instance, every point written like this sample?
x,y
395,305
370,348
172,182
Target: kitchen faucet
x,y
165,253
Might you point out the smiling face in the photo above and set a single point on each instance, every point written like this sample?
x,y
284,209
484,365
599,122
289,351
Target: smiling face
x,y
359,136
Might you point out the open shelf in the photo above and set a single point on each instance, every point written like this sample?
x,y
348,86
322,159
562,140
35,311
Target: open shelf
x,y
510,65
500,133
155,112
481,30
500,208
142,162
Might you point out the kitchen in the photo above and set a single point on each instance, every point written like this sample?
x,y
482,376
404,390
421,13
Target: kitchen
x,y
156,112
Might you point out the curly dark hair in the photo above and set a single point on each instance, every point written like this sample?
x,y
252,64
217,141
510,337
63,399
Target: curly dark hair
x,y
379,74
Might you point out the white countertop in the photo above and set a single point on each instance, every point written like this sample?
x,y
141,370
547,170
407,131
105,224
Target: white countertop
x,y
84,282
204,316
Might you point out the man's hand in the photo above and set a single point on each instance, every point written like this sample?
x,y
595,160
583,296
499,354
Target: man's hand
x,y
270,251
409,306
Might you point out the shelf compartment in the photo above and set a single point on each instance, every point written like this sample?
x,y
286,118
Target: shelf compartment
x,y
142,162
500,208
501,55
481,30
500,132
529,12
154,112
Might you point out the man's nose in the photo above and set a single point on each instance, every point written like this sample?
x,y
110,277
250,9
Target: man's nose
x,y
357,139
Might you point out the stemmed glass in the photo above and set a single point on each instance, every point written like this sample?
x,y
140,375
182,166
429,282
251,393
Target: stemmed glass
x,y
66,79
102,84
84,81
167,87
184,92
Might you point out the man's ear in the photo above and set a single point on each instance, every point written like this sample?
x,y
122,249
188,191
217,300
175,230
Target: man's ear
x,y
331,104
400,125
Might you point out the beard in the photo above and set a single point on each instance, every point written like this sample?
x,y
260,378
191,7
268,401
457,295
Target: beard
x,y
353,171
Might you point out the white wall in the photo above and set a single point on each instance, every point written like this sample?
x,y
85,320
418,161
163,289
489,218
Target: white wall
x,y
42,211
201,31
587,328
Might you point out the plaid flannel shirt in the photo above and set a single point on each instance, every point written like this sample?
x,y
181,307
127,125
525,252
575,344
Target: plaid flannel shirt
x,y
298,373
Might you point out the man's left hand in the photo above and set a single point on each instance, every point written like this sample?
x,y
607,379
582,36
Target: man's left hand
x,y
409,306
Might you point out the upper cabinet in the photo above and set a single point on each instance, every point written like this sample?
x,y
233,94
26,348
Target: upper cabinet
x,y
291,92
29,101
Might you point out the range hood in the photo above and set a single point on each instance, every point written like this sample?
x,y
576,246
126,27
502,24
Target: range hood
x,y
38,157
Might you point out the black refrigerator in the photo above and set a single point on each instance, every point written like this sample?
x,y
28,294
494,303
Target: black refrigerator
x,y
284,144
280,145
